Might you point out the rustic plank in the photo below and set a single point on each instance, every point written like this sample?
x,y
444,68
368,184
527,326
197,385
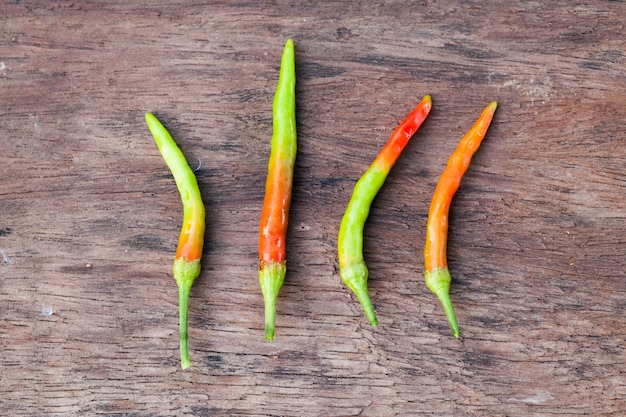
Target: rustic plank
x,y
89,215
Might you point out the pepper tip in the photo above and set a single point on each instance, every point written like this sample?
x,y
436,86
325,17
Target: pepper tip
x,y
426,104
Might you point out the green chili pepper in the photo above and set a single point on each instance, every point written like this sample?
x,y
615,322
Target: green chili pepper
x,y
352,268
189,252
275,214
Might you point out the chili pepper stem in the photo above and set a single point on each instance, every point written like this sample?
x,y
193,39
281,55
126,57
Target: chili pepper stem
x,y
355,278
438,281
185,273
183,303
271,278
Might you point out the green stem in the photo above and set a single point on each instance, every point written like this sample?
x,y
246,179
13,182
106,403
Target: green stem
x,y
446,303
438,281
271,278
364,298
355,277
185,273
270,315
183,307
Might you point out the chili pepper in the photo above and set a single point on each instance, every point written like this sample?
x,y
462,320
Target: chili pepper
x,y
275,214
436,271
352,268
187,261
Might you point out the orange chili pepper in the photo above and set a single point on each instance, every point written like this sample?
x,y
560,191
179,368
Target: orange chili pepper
x,y
436,271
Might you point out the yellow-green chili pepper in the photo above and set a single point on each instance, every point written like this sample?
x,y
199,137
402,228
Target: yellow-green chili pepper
x,y
275,214
189,252
352,268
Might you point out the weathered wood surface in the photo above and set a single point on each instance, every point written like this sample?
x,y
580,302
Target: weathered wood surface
x,y
89,215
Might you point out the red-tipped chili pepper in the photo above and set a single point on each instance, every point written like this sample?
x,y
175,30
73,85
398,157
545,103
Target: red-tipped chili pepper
x,y
436,271
187,262
352,268
274,218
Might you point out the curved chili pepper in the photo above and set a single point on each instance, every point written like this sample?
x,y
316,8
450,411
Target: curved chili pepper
x,y
352,268
436,271
187,261
275,214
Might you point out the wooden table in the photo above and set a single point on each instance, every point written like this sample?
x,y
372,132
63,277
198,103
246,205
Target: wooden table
x,y
89,213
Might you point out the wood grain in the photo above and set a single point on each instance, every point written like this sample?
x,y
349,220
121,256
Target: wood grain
x,y
89,215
